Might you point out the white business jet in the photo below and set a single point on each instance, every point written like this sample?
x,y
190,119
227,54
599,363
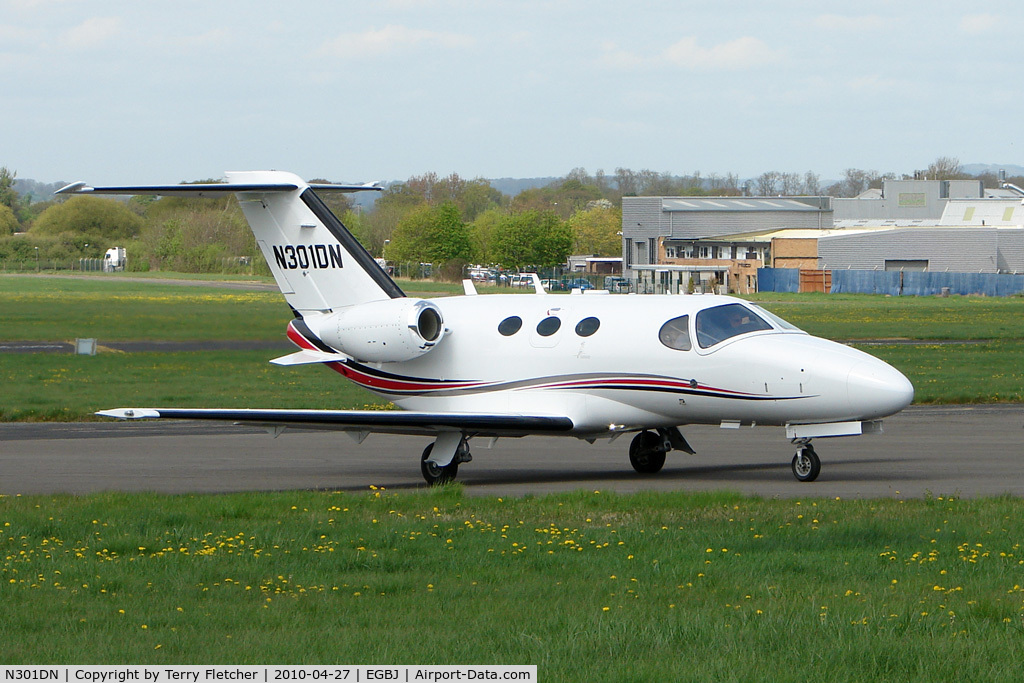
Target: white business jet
x,y
588,365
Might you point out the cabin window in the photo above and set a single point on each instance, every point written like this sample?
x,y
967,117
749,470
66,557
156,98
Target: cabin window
x,y
587,326
548,326
510,325
717,324
675,334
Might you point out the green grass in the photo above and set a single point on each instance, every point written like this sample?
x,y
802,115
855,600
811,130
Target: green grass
x,y
56,308
59,308
865,316
990,372
588,586
70,388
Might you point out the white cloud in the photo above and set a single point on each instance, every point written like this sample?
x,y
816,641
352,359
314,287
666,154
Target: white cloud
x,y
616,57
609,127
28,5
858,24
875,84
977,24
741,53
734,54
17,34
214,38
92,32
390,39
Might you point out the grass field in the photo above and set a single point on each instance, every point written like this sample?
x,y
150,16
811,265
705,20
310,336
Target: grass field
x,y
864,316
588,586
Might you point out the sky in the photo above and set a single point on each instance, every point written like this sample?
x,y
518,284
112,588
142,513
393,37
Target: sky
x,y
154,92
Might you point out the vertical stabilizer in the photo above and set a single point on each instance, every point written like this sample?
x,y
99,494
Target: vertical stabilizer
x,y
316,261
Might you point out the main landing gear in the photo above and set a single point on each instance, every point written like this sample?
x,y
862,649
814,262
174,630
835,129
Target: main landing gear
x,y
435,474
647,450
806,465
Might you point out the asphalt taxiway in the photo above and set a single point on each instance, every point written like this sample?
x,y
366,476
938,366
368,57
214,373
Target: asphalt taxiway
x,y
968,451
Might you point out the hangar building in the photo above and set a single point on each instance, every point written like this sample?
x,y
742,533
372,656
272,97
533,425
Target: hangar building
x,y
693,243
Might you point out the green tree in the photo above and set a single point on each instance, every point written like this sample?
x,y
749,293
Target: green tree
x,y
481,234
597,231
99,220
8,221
563,197
435,234
531,238
409,239
8,196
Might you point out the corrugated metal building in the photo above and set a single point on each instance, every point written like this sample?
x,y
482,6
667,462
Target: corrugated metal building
x,y
906,199
646,219
972,250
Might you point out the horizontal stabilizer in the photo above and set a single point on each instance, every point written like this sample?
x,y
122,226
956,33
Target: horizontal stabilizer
x,y
307,357
373,421
209,189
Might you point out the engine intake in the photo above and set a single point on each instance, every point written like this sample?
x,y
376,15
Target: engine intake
x,y
388,331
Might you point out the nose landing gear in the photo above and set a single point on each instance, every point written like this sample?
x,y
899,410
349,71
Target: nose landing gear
x,y
806,465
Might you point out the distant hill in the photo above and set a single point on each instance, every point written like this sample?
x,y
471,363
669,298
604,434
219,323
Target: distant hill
x,y
513,186
1012,170
507,186
40,192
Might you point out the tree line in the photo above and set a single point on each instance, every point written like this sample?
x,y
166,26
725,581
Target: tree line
x,y
447,221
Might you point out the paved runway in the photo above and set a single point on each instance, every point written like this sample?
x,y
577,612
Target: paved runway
x,y
966,450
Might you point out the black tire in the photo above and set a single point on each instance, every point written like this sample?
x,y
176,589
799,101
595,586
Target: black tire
x,y
435,475
644,453
806,465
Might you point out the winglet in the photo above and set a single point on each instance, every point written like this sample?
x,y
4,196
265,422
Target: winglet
x,y
129,413
73,188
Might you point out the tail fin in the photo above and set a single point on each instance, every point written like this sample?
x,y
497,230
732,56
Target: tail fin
x,y
316,261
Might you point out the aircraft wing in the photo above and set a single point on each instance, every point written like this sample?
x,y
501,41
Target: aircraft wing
x,y
364,421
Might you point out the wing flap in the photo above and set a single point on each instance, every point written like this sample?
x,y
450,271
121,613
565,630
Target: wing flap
x,y
379,421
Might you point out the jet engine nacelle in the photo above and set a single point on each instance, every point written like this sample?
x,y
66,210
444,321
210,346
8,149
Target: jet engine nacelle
x,y
387,331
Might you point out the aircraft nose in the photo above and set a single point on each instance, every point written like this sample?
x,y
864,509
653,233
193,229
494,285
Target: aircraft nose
x,y
877,389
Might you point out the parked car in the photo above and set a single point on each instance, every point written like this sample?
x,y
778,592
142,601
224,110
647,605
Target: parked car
x,y
521,280
553,285
580,283
616,284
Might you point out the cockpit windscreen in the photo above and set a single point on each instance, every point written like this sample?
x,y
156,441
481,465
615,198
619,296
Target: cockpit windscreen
x,y
719,323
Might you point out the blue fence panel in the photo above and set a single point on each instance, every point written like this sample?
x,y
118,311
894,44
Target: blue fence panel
x,y
778,280
865,282
913,283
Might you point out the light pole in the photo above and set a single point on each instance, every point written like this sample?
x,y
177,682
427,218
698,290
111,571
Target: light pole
x,y
37,258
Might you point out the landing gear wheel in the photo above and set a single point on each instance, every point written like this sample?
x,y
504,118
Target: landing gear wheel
x,y
435,474
806,465
645,454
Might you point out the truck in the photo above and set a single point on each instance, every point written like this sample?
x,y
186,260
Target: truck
x,y
114,260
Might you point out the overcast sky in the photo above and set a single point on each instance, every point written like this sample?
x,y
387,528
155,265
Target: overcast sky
x,y
151,92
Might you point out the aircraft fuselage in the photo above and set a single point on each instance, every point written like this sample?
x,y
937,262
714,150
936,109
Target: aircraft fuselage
x,y
599,359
